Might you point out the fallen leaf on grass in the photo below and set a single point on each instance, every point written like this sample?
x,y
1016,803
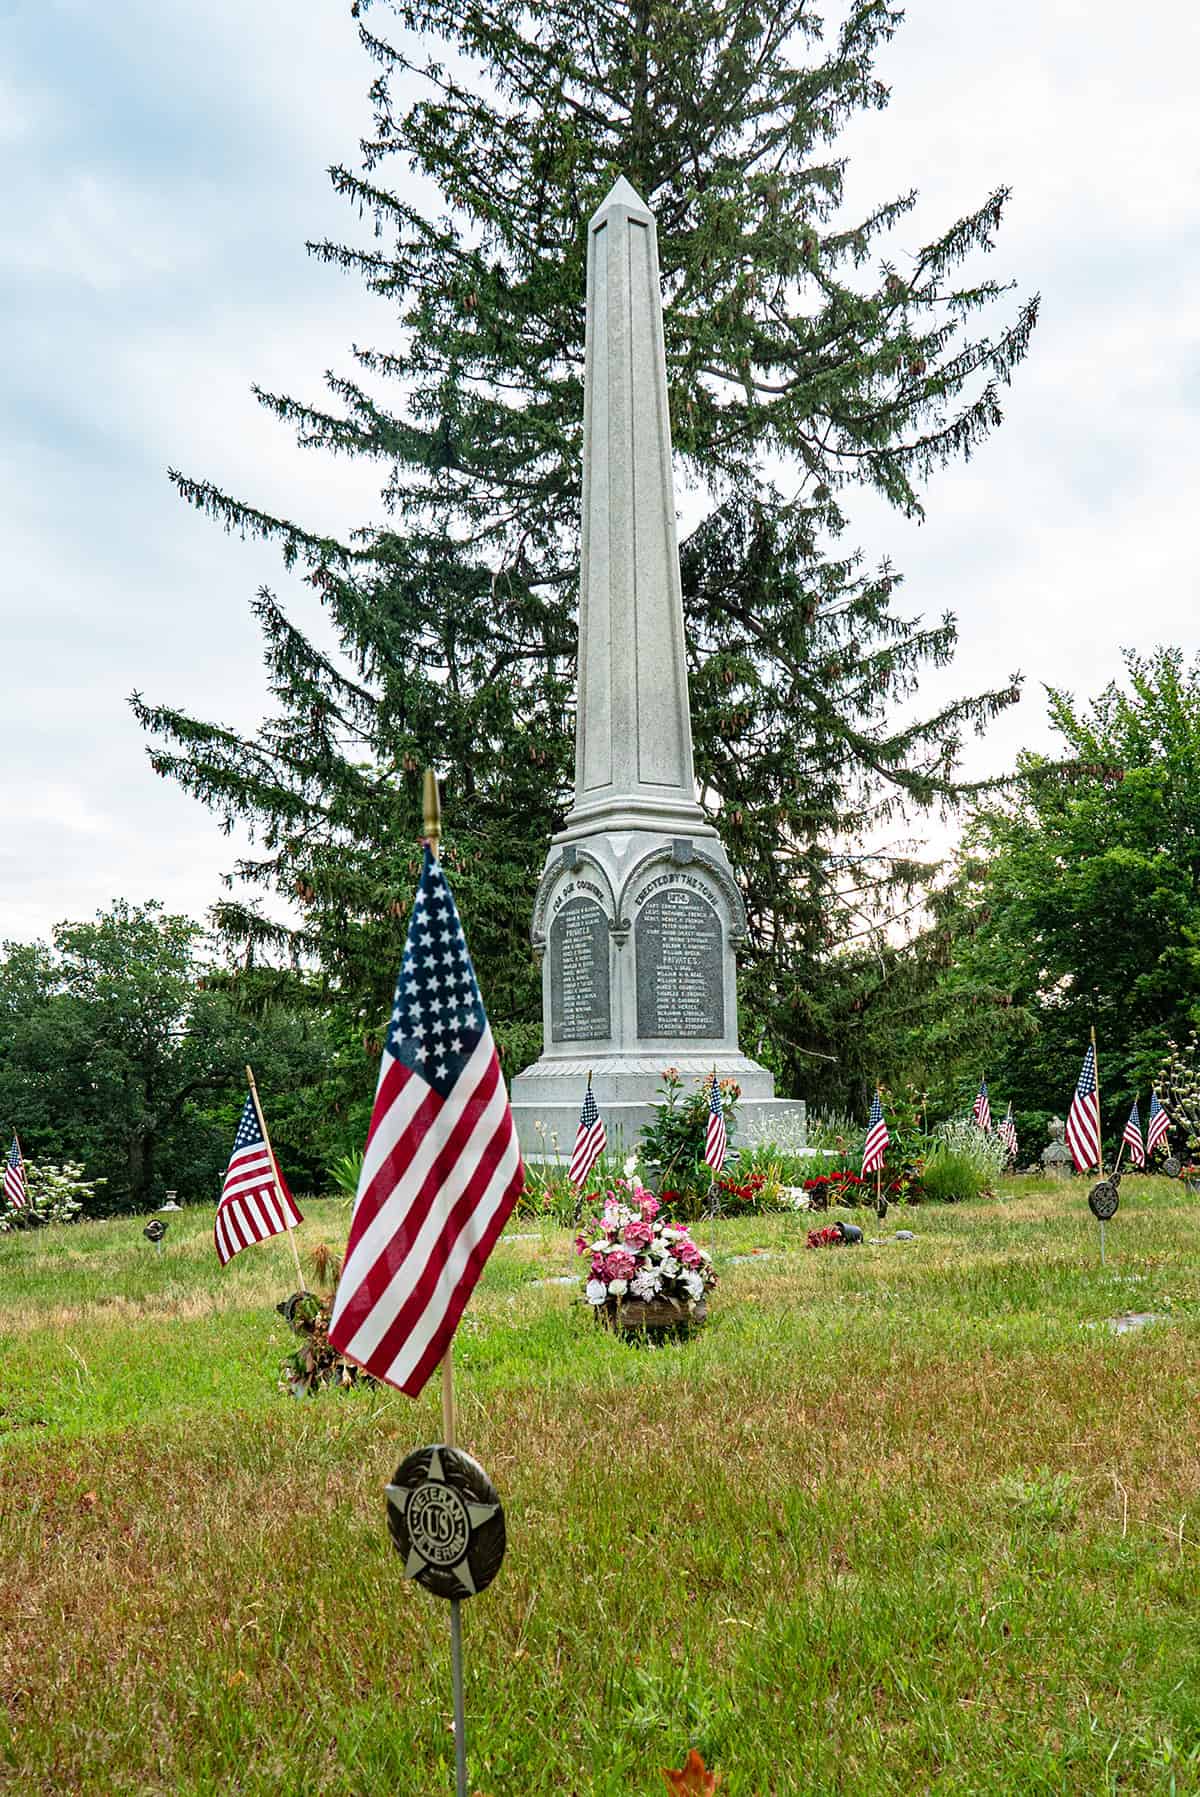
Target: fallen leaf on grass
x,y
692,1780
88,1501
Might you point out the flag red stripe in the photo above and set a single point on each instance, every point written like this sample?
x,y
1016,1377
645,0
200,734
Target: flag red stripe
x,y
418,1302
436,1349
387,1176
389,1262
589,1146
370,1285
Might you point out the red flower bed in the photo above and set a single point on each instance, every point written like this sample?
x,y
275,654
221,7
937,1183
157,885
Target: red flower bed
x,y
748,1192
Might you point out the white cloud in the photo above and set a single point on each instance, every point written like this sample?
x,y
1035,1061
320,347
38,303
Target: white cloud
x,y
165,167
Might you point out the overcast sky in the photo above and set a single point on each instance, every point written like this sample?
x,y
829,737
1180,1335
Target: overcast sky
x,y
162,167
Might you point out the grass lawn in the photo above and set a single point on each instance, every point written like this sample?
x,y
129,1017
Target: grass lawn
x,y
906,1518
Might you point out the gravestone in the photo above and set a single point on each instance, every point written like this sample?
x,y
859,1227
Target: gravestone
x,y
637,916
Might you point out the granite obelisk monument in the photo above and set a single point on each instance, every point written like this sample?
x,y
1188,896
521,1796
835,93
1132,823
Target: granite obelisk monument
x,y
637,913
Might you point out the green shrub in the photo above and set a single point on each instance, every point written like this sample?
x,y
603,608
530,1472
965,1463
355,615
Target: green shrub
x,y
963,1163
951,1177
672,1146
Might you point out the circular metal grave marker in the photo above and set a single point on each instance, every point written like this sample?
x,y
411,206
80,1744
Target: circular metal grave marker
x,y
155,1230
1172,1166
1103,1200
445,1517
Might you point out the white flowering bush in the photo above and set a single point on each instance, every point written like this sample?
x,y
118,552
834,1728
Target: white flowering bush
x,y
55,1194
636,1251
1179,1092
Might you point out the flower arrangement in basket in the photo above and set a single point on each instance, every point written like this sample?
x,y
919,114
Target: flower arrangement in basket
x,y
645,1270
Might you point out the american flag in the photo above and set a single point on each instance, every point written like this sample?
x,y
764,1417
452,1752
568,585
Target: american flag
x,y
876,1144
1007,1133
590,1140
1157,1125
1083,1118
983,1110
1132,1137
14,1178
442,1169
716,1140
255,1203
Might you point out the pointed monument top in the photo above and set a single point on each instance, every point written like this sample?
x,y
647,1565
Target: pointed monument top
x,y
621,194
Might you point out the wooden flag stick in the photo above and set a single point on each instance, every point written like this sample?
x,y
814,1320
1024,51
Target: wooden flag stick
x,y
1099,1124
433,836
262,1124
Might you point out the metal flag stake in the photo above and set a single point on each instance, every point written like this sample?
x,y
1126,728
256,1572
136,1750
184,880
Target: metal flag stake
x,y
444,1515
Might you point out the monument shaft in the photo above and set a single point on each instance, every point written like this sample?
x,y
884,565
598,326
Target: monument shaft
x,y
637,913
633,751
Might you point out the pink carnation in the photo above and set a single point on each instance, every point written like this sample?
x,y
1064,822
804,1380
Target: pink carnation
x,y
597,1266
688,1253
581,1244
619,1265
638,1235
649,1206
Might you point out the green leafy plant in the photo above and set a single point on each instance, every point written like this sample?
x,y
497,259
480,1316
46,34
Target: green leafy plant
x,y
344,1172
671,1146
548,1194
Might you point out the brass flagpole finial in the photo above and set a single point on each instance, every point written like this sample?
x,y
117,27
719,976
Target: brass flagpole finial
x,y
433,812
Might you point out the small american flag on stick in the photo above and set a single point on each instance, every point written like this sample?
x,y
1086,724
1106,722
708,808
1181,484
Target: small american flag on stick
x,y
1156,1125
590,1139
442,1169
716,1138
983,1110
1083,1118
255,1203
1132,1137
14,1177
1007,1133
876,1144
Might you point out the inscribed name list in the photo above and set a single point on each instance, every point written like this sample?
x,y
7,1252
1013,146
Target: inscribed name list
x,y
680,966
579,996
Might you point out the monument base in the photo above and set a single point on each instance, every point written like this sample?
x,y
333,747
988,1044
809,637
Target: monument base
x,y
546,1100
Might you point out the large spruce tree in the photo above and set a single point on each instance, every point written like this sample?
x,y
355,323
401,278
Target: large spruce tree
x,y
800,362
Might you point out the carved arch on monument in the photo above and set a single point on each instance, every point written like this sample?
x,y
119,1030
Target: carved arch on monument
x,y
719,874
551,875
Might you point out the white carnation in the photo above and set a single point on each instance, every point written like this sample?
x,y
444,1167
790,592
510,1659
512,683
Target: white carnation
x,y
630,1167
693,1285
646,1284
595,1291
617,1288
669,1266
